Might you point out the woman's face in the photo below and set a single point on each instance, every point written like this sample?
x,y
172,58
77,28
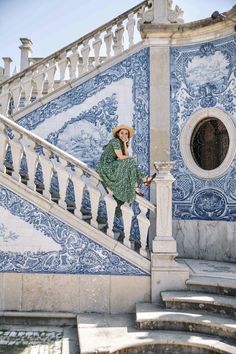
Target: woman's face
x,y
123,135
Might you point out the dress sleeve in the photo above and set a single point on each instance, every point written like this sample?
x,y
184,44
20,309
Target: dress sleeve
x,y
116,144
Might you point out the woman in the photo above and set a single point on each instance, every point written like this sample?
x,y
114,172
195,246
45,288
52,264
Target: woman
x,y
118,170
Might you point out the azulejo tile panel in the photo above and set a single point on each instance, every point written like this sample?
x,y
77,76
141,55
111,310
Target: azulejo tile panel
x,y
202,76
81,120
64,250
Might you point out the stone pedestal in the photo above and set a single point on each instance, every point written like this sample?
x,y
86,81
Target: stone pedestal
x,y
25,53
166,273
7,64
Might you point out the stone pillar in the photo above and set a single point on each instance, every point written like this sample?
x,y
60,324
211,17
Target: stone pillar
x,y
25,53
160,11
166,273
7,64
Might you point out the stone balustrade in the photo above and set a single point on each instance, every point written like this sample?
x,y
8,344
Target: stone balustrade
x,y
42,167
71,62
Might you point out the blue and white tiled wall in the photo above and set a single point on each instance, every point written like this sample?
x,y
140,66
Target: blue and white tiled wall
x,y
34,241
81,120
202,76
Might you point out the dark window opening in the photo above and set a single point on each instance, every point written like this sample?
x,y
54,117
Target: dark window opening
x,y
209,143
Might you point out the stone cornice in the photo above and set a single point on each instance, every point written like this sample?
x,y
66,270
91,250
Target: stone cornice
x,y
191,32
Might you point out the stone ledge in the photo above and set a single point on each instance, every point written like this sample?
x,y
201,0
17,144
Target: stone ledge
x,y
37,314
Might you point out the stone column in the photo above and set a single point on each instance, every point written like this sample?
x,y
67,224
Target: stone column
x,y
166,273
25,53
7,64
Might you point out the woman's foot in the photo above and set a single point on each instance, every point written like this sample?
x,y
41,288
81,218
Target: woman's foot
x,y
138,192
148,180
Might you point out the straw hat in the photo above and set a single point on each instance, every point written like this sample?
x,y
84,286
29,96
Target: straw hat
x,y
119,127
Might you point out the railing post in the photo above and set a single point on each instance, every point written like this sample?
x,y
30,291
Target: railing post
x,y
167,274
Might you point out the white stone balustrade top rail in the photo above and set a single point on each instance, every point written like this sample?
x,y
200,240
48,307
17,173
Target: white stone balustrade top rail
x,y
71,62
19,146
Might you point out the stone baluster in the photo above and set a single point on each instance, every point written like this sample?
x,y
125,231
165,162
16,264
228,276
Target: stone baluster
x,y
16,151
94,199
51,70
63,177
62,64
144,224
79,189
47,168
27,87
97,43
80,66
108,38
15,89
130,28
127,214
118,39
5,99
73,58
111,207
39,79
31,158
3,146
85,55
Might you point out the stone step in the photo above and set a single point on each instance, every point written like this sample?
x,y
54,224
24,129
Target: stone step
x,y
225,305
151,316
103,333
215,285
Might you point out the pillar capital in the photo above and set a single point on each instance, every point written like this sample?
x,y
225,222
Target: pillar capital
x,y
164,170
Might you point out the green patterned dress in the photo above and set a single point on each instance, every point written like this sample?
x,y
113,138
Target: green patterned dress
x,y
120,176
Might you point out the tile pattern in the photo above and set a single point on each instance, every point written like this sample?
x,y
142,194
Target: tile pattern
x,y
90,129
77,253
202,76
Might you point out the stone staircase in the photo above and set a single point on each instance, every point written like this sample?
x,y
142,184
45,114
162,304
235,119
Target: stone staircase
x,y
78,189
207,307
200,320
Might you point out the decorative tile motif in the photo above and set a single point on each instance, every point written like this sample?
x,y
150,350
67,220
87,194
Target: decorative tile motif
x,y
6,234
106,100
99,119
77,254
202,76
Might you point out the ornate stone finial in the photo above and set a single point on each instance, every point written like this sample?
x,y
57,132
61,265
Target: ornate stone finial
x,y
161,12
164,167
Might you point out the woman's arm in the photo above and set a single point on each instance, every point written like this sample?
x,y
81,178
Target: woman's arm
x,y
120,156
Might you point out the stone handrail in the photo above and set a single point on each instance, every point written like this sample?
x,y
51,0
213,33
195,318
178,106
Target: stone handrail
x,y
24,145
71,62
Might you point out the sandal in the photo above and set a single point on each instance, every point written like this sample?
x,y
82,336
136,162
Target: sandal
x,y
138,192
149,180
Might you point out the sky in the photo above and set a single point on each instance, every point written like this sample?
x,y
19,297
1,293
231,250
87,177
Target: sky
x,y
52,24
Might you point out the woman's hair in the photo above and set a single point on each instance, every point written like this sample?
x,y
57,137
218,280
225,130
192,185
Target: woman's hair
x,y
116,134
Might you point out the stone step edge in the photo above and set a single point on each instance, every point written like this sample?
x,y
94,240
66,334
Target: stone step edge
x,y
160,337
212,281
147,314
198,298
62,315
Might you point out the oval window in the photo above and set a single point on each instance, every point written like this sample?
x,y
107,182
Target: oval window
x,y
209,143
